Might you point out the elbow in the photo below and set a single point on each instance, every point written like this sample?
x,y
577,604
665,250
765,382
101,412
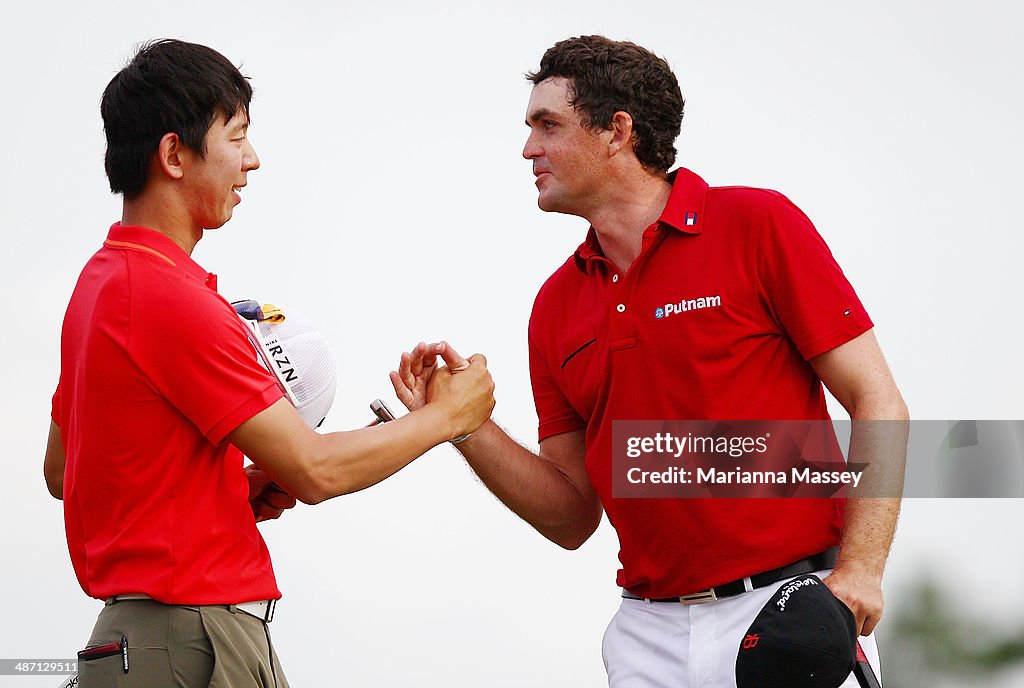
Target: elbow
x,y
54,481
904,412
312,494
887,406
53,474
571,536
572,543
313,488
310,480
55,486
897,409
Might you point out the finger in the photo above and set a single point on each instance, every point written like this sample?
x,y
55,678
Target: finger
x,y
408,379
416,365
430,354
258,480
452,358
869,625
277,499
478,358
266,513
401,391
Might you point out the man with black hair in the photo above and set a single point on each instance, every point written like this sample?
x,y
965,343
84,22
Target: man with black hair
x,y
613,337
160,394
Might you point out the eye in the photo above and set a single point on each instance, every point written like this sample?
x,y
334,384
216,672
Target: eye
x,y
548,124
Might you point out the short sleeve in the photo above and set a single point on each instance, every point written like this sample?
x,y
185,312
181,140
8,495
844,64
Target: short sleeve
x,y
555,414
803,285
196,354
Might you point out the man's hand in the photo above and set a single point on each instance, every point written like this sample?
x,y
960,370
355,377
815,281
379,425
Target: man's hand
x,y
550,490
464,389
861,592
419,381
268,501
415,370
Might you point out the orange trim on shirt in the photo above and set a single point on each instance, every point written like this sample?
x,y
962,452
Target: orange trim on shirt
x,y
138,247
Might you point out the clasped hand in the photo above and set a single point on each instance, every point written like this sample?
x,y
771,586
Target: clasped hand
x,y
462,382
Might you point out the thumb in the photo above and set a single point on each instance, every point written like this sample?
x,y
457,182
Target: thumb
x,y
452,358
257,478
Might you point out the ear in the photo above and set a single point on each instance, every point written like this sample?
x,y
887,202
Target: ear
x,y
169,156
621,129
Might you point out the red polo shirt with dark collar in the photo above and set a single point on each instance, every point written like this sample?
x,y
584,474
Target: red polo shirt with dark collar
x,y
156,371
732,294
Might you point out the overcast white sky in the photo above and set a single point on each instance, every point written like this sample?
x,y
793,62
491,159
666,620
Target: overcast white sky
x,y
393,205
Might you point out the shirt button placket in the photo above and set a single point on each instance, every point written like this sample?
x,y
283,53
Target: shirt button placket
x,y
621,323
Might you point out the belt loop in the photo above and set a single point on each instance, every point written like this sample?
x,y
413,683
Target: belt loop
x,y
748,585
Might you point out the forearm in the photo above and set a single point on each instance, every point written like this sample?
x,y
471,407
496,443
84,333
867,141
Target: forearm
x,y
560,506
878,440
868,529
314,467
353,460
857,375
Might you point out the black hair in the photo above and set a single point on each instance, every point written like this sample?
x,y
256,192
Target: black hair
x,y
169,86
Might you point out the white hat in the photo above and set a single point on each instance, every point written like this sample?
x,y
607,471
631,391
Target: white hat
x,y
296,353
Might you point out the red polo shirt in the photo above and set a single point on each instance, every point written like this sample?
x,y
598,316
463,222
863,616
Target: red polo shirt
x,y
732,294
155,371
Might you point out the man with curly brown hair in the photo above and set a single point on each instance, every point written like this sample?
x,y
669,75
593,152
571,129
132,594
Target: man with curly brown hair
x,y
685,302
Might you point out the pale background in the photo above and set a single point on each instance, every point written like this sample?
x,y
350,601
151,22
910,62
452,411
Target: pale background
x,y
393,205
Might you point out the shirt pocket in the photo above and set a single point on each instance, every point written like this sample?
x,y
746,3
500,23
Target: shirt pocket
x,y
579,360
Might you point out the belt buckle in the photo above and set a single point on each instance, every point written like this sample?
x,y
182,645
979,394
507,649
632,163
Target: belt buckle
x,y
699,597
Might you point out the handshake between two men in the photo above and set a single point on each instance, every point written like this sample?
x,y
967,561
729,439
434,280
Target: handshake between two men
x,y
294,463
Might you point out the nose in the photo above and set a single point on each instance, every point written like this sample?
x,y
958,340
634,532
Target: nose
x,y
531,150
250,161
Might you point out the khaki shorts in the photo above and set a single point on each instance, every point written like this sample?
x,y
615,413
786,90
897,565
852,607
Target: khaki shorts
x,y
169,645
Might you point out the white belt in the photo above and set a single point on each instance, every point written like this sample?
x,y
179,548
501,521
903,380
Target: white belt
x,y
261,609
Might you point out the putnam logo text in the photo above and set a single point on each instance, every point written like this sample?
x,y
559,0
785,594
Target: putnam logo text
x,y
687,305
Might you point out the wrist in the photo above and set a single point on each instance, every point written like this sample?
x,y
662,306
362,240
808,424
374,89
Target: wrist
x,y
442,421
859,568
477,438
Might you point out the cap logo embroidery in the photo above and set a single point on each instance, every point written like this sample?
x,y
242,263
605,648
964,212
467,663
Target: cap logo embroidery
x,y
751,641
791,588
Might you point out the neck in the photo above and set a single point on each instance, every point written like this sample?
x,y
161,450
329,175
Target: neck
x,y
632,208
161,214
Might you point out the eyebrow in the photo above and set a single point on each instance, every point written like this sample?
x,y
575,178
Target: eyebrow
x,y
539,114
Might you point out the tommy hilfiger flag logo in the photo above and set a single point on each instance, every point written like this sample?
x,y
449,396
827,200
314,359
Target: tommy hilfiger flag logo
x,y
691,218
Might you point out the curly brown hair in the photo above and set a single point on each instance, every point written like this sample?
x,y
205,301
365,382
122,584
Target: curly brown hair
x,y
607,76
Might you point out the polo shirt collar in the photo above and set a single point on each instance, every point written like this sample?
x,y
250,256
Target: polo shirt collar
x,y
683,212
161,246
